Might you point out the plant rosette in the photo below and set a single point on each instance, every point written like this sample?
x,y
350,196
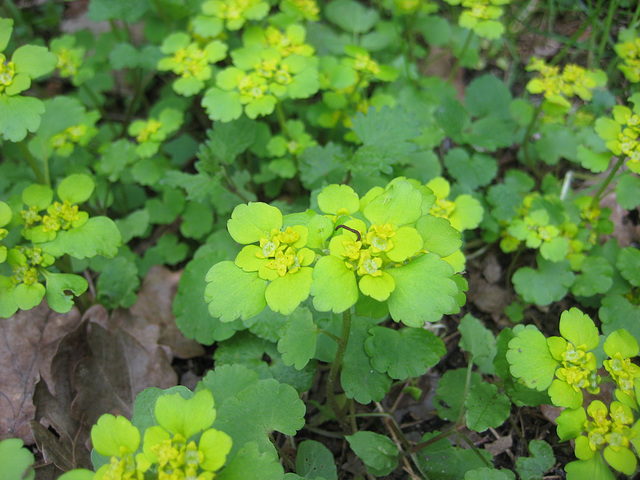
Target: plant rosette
x,y
384,248
190,61
610,432
621,133
19,114
564,365
50,229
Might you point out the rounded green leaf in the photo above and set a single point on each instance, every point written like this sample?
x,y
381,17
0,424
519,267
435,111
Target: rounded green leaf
x,y
112,436
357,378
406,243
6,27
486,407
251,222
378,288
5,214
284,294
548,284
186,417
628,191
34,60
18,115
76,188
77,474
541,460
563,395
404,353
335,197
221,105
28,296
98,236
571,423
36,195
215,445
58,284
376,451
579,329
593,468
425,290
232,293
530,359
400,204
15,460
621,341
448,400
314,460
467,214
8,304
628,262
621,459
334,285
299,339
438,235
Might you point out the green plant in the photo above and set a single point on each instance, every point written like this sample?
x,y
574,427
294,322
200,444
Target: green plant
x,y
328,203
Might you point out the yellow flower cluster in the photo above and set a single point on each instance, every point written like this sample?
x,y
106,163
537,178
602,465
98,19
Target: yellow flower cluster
x,y
579,369
69,136
282,255
558,86
7,72
629,53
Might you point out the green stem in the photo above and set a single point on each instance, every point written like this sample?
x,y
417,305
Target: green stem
x,y
607,28
330,335
41,177
456,66
635,17
442,435
282,120
527,134
596,199
332,380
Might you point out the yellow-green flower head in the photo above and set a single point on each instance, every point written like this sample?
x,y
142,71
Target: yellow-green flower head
x,y
620,134
307,8
288,42
235,13
190,61
609,433
628,49
7,72
369,253
481,16
171,446
577,363
558,86
280,262
117,438
410,7
621,346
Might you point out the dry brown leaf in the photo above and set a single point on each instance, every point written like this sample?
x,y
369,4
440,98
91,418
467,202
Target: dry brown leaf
x,y
155,304
488,297
29,340
501,445
116,370
69,447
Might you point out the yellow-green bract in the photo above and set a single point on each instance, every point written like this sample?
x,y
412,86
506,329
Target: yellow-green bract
x,y
381,246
